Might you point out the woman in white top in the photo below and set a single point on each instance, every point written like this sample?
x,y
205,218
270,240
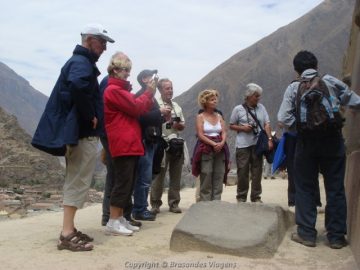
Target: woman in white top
x,y
211,132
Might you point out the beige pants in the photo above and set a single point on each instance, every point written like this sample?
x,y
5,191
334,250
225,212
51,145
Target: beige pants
x,y
80,167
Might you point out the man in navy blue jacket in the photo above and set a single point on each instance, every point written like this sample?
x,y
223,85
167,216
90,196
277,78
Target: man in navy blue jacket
x,y
69,126
151,123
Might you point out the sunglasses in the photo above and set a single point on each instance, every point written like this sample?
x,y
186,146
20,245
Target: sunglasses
x,y
102,41
124,68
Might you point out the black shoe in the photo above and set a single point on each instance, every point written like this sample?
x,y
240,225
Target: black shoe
x,y
135,222
241,199
298,239
257,201
146,215
338,244
291,204
104,221
175,209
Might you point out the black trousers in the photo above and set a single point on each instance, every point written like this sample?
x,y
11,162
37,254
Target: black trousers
x,y
124,181
290,146
325,155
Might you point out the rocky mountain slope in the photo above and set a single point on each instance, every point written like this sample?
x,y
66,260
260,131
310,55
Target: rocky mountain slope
x,y
19,98
268,62
20,163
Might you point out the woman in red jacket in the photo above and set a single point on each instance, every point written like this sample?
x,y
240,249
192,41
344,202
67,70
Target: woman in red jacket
x,y
121,112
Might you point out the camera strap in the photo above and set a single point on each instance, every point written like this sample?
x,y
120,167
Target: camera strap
x,y
248,111
170,104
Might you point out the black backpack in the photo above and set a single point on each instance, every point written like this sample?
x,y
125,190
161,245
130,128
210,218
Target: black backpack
x,y
317,110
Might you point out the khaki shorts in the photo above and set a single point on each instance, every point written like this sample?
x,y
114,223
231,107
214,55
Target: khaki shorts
x,y
80,167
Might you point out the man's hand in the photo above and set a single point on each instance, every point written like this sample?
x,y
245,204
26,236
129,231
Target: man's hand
x,y
95,122
178,125
151,86
165,111
271,145
246,128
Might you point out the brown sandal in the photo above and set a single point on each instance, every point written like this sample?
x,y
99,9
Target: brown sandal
x,y
83,236
74,242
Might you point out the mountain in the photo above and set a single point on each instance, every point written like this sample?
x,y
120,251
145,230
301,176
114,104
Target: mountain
x,y
19,98
324,31
20,163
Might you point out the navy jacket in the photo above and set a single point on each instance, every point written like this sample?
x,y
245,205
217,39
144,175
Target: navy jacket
x,y
151,122
103,85
73,103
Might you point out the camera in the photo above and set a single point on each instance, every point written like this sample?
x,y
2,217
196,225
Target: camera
x,y
254,129
173,119
155,77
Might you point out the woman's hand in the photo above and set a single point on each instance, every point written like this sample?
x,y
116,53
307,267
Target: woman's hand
x,y
218,146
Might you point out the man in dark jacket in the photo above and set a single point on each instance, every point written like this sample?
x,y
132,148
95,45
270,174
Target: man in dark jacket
x,y
151,133
69,126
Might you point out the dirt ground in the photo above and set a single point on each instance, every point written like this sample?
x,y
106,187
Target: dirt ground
x,y
30,243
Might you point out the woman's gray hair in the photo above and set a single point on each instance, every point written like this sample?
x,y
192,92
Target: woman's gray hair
x,y
251,89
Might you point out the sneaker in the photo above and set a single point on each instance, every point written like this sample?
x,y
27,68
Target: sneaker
x,y
115,227
127,225
175,209
257,201
155,210
135,222
297,238
241,199
338,244
146,215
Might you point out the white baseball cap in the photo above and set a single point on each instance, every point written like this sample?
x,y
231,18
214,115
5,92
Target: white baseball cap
x,y
96,30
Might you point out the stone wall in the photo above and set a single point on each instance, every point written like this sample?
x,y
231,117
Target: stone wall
x,y
352,138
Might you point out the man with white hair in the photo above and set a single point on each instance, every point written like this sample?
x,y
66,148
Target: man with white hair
x,y
245,120
69,127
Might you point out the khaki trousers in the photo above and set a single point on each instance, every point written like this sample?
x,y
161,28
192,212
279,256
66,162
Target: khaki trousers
x,y
175,168
212,176
248,162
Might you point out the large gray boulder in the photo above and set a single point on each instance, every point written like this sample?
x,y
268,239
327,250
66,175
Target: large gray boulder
x,y
243,229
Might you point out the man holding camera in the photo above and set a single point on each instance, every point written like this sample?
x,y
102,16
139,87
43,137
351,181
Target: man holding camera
x,y
174,156
244,120
150,123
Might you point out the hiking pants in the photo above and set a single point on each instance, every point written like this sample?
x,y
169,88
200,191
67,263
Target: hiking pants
x,y
325,155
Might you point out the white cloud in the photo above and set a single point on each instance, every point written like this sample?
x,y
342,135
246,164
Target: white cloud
x,y
183,39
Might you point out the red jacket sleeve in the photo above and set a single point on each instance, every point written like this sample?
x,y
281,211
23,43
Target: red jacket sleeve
x,y
128,103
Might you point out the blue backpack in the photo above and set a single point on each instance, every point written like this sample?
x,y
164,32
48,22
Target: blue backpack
x,y
317,110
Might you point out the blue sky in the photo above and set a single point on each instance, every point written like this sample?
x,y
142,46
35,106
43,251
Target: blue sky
x,y
183,39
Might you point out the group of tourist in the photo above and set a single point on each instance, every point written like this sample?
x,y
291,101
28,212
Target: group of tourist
x,y
141,139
